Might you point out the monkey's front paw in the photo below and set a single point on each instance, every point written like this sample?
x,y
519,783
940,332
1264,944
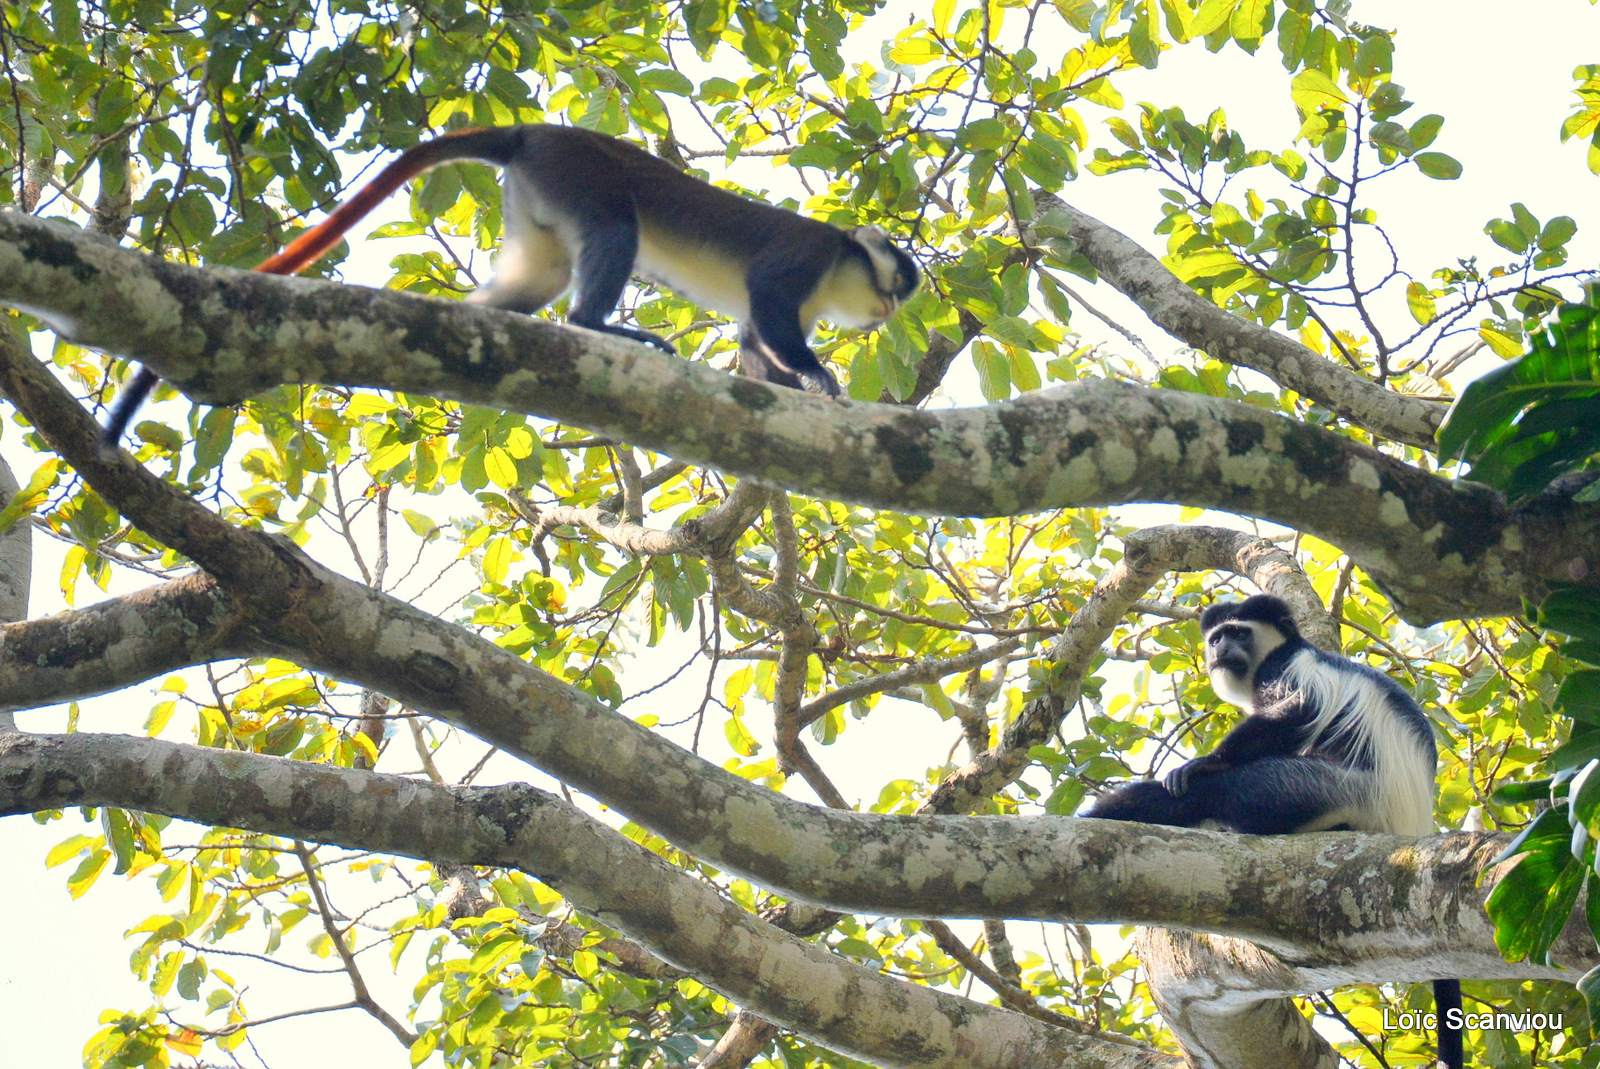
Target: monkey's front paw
x,y
1178,780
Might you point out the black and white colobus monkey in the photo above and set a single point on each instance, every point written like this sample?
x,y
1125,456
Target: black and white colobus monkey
x,y
1330,743
586,211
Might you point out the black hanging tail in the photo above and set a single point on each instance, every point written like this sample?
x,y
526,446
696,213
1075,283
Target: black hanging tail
x,y
1447,1001
133,394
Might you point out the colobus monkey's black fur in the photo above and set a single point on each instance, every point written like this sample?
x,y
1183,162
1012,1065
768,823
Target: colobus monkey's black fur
x,y
1329,744
586,211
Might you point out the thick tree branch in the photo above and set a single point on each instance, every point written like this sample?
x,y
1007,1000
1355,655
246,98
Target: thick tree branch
x,y
294,608
16,554
844,1006
16,574
233,556
1195,321
118,643
1441,550
1222,999
846,860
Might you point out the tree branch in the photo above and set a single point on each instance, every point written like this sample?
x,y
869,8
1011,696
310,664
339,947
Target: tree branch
x,y
1195,321
1441,550
844,1006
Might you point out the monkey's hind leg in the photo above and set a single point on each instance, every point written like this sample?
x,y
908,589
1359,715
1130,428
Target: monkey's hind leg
x,y
757,362
1147,801
1273,796
1283,796
604,265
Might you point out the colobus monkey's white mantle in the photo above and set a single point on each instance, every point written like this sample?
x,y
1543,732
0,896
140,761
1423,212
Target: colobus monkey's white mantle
x,y
1330,743
585,206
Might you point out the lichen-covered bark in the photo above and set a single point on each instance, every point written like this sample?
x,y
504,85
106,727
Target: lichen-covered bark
x,y
1195,321
1440,549
844,1006
16,573
1210,994
1336,895
292,607
116,643
16,556
261,595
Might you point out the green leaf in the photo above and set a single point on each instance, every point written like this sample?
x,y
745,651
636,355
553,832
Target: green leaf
x,y
1250,22
30,497
994,371
1583,794
1438,165
1425,129
1580,749
1507,235
1532,902
1572,611
497,558
1313,91
87,872
500,467
1144,38
1420,303
1589,983
1212,16
68,848
1524,423
1521,793
1557,232
119,833
1374,56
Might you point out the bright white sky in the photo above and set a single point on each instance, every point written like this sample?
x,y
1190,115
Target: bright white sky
x,y
1504,84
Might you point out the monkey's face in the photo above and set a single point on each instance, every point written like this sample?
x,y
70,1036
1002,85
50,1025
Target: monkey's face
x,y
895,275
1234,650
1231,648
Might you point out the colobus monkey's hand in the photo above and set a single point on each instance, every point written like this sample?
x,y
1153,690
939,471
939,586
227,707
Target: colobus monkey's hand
x,y
1177,781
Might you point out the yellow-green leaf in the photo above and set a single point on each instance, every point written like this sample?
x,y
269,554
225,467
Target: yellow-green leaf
x,y
497,558
501,468
1421,303
1312,90
71,565
1502,343
65,849
31,496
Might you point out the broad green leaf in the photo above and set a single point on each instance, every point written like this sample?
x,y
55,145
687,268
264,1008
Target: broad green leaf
x,y
1438,165
498,555
1521,793
68,848
1425,130
1523,424
1312,91
1212,16
1572,611
30,497
1531,903
1557,232
1420,303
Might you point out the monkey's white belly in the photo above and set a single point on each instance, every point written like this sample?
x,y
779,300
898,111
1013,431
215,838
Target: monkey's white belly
x,y
846,298
700,274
